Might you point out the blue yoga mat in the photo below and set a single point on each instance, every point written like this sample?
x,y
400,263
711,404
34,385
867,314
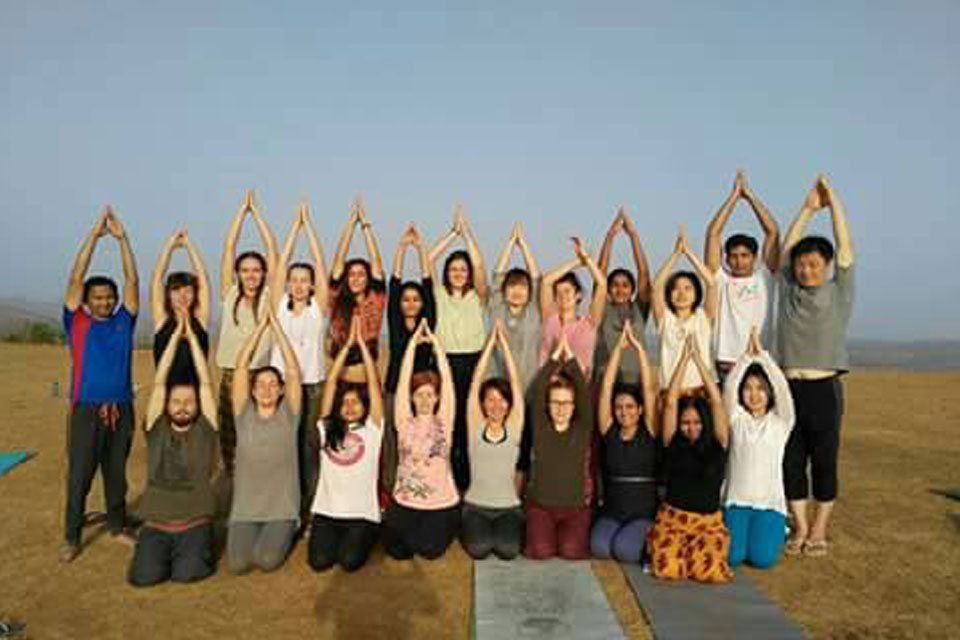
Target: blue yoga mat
x,y
687,610
10,459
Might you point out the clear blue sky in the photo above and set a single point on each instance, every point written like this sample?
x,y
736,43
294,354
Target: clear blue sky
x,y
553,114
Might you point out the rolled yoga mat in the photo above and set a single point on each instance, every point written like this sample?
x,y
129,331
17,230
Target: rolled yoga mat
x,y
540,599
685,609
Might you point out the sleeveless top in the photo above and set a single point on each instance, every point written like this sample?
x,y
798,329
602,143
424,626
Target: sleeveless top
x,y
424,477
494,467
629,474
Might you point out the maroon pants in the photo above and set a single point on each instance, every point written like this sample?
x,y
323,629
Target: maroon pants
x,y
557,531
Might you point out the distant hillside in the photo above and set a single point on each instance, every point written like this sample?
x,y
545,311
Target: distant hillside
x,y
921,355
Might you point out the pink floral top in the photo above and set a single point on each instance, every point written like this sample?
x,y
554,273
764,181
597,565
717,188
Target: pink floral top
x,y
424,478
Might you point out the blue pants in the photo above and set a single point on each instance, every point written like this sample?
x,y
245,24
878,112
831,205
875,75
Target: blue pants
x,y
756,536
623,541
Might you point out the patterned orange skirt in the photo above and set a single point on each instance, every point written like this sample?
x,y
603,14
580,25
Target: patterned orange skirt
x,y
686,545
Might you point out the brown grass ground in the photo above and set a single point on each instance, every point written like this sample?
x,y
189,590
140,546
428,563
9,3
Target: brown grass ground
x,y
893,572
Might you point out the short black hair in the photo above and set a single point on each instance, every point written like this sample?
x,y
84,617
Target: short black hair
x,y
697,288
812,244
99,281
741,240
515,276
501,386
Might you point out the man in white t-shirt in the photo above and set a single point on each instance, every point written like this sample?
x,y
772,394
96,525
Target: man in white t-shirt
x,y
745,287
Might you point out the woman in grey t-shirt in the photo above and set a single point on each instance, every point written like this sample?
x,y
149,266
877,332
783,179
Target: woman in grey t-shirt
x,y
266,491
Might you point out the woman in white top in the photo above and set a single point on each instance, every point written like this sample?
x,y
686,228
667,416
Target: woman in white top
x,y
683,304
492,517
244,301
346,512
760,407
295,292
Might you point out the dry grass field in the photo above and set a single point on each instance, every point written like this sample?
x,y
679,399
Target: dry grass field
x,y
893,571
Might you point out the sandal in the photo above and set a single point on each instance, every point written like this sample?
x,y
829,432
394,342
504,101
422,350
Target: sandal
x,y
794,546
815,548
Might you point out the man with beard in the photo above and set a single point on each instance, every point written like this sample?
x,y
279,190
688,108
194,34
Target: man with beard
x,y
99,334
176,541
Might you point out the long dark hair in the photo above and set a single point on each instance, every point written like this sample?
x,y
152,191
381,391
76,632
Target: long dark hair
x,y
335,427
699,405
756,370
306,266
453,257
179,280
255,255
346,300
413,285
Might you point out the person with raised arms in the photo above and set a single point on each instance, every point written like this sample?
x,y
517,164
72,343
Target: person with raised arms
x,y
688,540
356,290
266,490
178,505
744,284
813,313
628,301
627,421
424,516
298,292
515,300
561,486
182,295
244,300
684,304
346,511
492,513
461,297
760,408
99,335
560,298
408,303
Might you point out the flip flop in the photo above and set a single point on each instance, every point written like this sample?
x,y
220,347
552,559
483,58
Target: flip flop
x,y
815,548
794,547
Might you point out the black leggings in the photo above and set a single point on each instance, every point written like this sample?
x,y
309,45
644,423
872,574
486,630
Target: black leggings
x,y
461,367
340,541
815,439
497,531
159,556
414,531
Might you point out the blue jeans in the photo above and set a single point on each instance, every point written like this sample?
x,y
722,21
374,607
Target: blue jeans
x,y
622,541
756,536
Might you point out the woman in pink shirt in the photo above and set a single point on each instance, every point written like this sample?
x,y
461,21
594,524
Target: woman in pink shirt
x,y
560,298
425,516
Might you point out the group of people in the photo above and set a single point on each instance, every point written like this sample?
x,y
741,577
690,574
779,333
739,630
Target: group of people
x,y
498,411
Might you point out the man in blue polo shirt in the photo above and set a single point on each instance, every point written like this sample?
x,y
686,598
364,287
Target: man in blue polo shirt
x,y
100,338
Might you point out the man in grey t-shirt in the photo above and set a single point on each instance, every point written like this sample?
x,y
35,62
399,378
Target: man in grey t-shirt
x,y
813,312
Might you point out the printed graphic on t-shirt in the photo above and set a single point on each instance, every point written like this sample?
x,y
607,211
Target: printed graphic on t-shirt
x,y
350,452
423,454
745,292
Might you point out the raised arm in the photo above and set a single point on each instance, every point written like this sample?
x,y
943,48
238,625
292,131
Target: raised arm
x,y
783,406
447,411
528,258
343,245
731,386
240,391
604,409
547,303
711,296
400,252
227,276
640,261
811,204
278,277
721,424
616,226
598,302
73,298
292,391
319,263
158,397
373,379
713,251
401,399
668,419
841,231
333,374
503,262
441,247
581,390
474,410
476,256
658,302
376,260
158,307
771,232
131,280
203,281
208,402
648,383
266,235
